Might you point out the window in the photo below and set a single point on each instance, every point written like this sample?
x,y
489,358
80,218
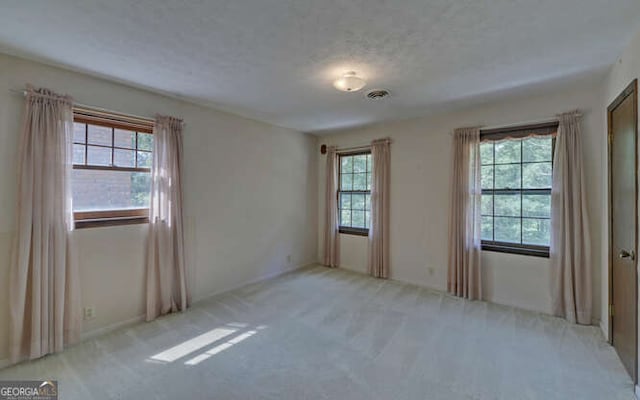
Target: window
x,y
516,190
111,178
354,193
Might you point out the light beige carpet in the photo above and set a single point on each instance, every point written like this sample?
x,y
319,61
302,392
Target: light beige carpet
x,y
331,334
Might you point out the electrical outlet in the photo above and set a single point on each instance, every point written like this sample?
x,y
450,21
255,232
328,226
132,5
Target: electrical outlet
x,y
289,259
89,312
431,271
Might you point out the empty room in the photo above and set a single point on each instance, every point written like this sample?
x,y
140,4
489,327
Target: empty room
x,y
340,199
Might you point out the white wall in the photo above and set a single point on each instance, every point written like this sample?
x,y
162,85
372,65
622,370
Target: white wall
x,y
420,165
250,197
622,73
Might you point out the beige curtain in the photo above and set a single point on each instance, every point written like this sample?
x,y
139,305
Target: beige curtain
x,y
331,256
570,258
379,230
464,278
167,288
44,286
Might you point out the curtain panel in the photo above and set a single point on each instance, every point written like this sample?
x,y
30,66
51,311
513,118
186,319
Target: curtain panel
x,y
167,280
331,257
380,194
465,246
570,241
44,291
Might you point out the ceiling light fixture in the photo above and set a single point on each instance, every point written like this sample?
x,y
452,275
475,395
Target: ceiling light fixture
x,y
349,82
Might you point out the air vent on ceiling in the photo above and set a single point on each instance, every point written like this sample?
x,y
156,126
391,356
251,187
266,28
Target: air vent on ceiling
x,y
377,94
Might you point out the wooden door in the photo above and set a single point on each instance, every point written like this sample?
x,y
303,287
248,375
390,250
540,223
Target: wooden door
x,y
623,127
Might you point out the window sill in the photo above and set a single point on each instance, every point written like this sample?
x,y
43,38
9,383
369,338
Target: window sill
x,y
353,231
103,222
537,251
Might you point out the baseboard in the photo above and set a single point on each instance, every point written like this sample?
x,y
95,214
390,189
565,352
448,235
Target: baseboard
x,y
132,321
441,290
266,277
422,285
354,269
605,330
110,328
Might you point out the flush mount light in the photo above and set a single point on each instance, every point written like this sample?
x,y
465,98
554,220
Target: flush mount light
x,y
349,82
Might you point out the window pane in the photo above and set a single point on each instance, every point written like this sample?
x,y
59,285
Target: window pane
x,y
507,205
79,133
507,176
122,138
99,156
486,153
355,175
536,176
124,158
144,159
487,177
487,228
345,218
99,135
345,181
360,163
536,231
360,181
140,189
507,229
508,151
346,164
109,190
357,220
537,149
145,141
357,202
78,154
345,201
510,166
487,204
536,205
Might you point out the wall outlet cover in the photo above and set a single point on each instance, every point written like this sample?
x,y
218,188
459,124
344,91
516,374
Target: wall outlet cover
x,y
89,312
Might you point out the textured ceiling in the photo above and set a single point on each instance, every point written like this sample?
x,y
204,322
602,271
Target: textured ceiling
x,y
274,60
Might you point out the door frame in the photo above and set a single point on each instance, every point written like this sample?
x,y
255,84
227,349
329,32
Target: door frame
x,y
631,90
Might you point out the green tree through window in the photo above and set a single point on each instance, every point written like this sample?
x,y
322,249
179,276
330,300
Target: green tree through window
x,y
141,181
516,192
354,194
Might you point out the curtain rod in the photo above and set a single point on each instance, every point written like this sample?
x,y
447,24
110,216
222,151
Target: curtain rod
x,y
353,148
556,118
323,148
80,105
515,125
